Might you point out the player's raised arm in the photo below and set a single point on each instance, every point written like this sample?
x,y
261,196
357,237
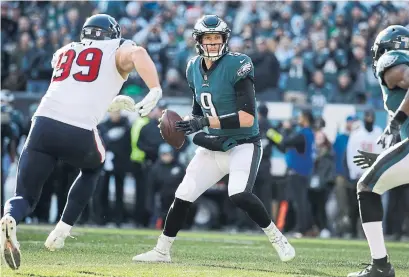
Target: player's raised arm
x,y
129,57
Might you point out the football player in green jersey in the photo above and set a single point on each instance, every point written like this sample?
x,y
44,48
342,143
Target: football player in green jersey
x,y
224,103
389,169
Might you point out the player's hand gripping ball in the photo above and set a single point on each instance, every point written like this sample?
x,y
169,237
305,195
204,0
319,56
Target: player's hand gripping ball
x,y
168,129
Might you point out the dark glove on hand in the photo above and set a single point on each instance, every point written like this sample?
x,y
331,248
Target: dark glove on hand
x,y
366,159
193,125
390,136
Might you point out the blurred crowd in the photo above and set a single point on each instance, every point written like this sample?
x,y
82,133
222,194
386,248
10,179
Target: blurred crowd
x,y
303,52
314,52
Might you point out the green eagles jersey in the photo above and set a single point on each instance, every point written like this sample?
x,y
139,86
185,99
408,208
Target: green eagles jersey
x,y
392,97
214,89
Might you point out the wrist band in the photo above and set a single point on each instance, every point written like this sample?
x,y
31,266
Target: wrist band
x,y
400,117
229,121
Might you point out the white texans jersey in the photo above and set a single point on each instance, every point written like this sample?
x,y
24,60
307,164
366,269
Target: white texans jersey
x,y
84,82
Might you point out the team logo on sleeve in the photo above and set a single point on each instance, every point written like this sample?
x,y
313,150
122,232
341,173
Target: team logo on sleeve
x,y
244,69
385,62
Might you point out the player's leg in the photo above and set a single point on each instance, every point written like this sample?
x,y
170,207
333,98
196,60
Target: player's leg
x,y
202,172
34,167
84,186
78,197
244,161
388,171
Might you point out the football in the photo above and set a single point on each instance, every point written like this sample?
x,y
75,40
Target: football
x,y
168,129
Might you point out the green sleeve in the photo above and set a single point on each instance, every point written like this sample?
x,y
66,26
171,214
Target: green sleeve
x,y
189,76
243,68
389,60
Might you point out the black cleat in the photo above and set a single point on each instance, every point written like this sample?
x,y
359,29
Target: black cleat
x,y
375,270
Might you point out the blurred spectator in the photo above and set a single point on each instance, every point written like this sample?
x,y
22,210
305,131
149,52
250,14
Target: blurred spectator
x,y
41,70
296,80
345,92
8,25
148,141
320,91
363,138
73,24
164,178
174,85
396,211
115,132
342,176
298,149
9,139
185,53
15,80
330,60
267,72
321,182
138,167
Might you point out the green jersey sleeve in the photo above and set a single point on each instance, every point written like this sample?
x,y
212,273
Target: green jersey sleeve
x,y
242,67
189,76
389,60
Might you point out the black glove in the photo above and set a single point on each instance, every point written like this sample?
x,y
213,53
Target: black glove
x,y
214,143
366,159
193,125
390,136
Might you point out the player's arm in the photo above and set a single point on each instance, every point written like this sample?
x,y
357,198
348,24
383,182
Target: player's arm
x,y
398,76
245,106
129,57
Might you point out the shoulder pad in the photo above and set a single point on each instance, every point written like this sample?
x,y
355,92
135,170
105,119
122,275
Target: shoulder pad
x,y
191,62
123,41
386,61
245,65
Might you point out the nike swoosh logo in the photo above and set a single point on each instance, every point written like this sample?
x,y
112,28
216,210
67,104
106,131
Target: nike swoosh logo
x,y
242,61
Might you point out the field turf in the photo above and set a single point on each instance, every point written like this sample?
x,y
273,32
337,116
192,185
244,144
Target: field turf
x,y
109,252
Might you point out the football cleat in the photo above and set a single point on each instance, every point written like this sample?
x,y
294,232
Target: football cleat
x,y
9,244
374,270
56,240
284,249
154,256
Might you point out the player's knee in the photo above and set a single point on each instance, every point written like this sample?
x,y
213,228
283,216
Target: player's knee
x,y
186,190
180,206
242,199
370,205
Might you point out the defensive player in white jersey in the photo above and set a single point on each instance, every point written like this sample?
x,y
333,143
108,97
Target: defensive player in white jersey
x,y
87,76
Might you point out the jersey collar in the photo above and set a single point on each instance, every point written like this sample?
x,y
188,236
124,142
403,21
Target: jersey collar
x,y
211,69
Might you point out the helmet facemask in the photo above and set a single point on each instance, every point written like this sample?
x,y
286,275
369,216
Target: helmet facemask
x,y
204,49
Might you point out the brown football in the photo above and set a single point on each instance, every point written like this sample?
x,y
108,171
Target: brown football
x,y
168,129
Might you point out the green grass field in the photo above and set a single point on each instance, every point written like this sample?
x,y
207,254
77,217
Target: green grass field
x,y
109,252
